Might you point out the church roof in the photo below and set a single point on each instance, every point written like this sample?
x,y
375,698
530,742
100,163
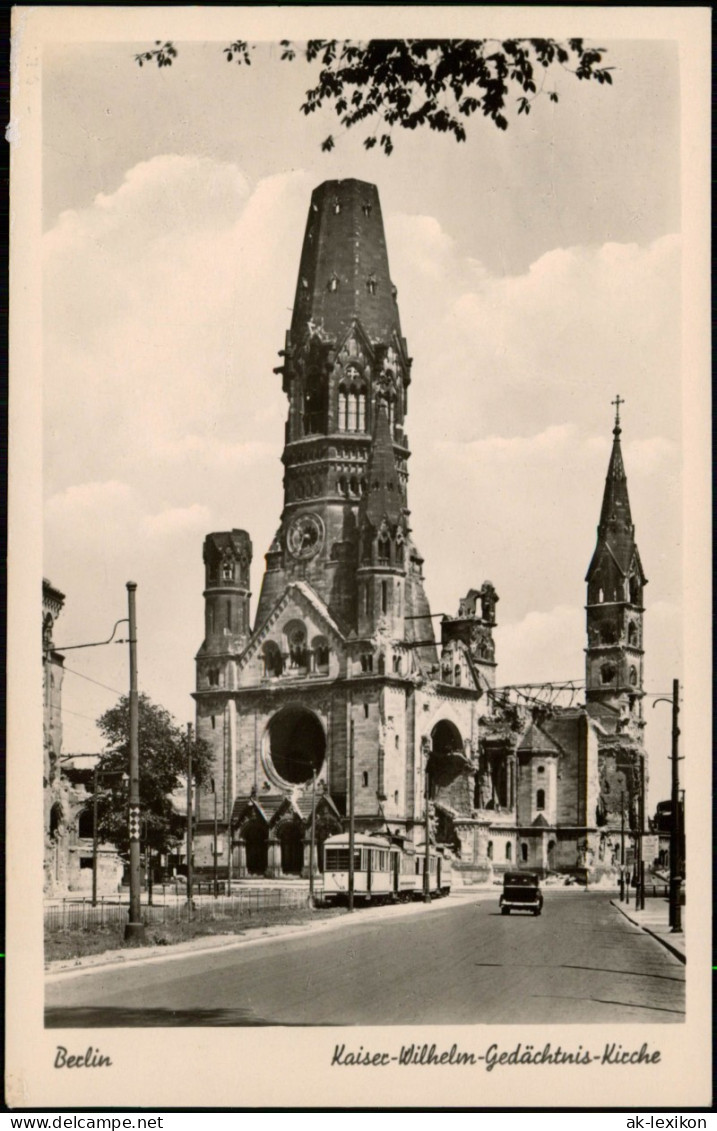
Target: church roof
x,y
343,273
537,741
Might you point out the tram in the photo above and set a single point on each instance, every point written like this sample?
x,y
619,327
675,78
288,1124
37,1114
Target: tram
x,y
385,869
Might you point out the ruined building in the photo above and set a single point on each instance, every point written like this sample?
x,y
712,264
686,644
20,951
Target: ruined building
x,y
67,783
341,655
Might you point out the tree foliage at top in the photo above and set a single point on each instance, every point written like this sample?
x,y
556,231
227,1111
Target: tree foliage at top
x,y
434,83
163,749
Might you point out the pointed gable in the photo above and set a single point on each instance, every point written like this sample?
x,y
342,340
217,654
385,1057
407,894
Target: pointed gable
x,y
298,597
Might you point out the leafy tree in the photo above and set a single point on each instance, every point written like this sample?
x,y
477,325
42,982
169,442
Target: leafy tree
x,y
438,83
163,748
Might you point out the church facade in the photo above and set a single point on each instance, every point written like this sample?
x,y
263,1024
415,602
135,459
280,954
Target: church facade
x,y
341,665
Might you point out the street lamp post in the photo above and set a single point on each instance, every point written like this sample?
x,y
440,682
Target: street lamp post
x,y
351,815
134,929
190,847
216,842
675,831
622,847
675,838
427,835
313,836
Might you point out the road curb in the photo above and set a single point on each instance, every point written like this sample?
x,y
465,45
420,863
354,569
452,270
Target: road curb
x,y
660,938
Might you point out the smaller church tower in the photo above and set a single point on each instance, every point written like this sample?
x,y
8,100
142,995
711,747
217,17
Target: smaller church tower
x,y
227,560
615,584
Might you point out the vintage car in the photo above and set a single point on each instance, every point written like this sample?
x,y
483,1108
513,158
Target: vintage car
x,y
521,892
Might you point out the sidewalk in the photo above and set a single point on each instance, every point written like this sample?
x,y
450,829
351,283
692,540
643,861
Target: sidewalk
x,y
655,921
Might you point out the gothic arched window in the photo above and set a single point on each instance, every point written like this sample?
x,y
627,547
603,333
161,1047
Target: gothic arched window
x,y
85,825
343,409
632,634
296,639
320,653
489,850
314,405
607,673
509,851
633,677
352,412
273,663
361,410
524,852
540,799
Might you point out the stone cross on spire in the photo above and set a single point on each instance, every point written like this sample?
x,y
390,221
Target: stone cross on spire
x,y
617,402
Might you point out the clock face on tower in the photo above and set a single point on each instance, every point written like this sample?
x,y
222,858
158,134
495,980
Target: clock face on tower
x,y
305,536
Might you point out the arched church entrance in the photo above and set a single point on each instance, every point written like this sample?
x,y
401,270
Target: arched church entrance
x,y
442,768
257,848
296,744
291,841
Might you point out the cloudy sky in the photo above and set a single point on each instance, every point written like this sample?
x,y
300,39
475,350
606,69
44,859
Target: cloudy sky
x,y
538,274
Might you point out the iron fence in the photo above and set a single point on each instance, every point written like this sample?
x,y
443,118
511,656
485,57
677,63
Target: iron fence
x,y
73,914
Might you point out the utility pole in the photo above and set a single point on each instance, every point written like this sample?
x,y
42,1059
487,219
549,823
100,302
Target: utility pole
x,y
216,841
190,877
229,852
134,929
313,836
427,834
351,815
94,837
675,830
622,847
641,873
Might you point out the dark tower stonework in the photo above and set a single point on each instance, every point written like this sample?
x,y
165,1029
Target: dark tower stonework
x,y
342,643
344,356
615,654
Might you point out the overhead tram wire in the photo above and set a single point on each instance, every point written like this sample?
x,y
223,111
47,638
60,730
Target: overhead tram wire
x,y
89,679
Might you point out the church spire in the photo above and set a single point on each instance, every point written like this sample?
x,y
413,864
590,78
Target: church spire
x,y
615,515
615,581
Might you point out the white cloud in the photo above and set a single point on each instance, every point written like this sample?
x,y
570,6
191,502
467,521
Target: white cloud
x,y
178,520
544,645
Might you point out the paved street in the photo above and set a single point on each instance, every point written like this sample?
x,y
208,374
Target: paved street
x,y
457,962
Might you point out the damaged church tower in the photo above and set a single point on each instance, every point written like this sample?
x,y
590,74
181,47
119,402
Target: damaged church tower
x,y
342,648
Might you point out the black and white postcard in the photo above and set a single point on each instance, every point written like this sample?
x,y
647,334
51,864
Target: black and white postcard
x,y
359,681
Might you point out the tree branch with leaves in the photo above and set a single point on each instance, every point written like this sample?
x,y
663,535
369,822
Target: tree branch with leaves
x,y
438,84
